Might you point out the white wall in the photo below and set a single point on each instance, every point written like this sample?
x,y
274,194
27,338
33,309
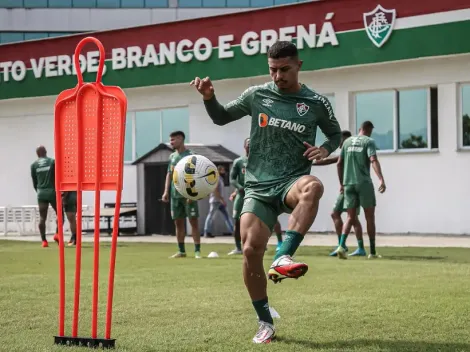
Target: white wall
x,y
427,192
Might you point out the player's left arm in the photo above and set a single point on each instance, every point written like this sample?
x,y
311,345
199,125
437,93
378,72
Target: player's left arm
x,y
340,167
234,176
34,177
326,161
372,155
329,126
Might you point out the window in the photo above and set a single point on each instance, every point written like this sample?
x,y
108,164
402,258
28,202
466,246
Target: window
x,y
147,129
261,3
35,3
132,3
465,111
189,3
283,2
320,138
35,35
11,37
11,3
238,3
214,3
60,3
404,119
108,3
84,3
156,3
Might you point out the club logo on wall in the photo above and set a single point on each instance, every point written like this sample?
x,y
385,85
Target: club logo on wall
x,y
379,25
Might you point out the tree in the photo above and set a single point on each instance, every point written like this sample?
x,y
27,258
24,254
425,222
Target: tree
x,y
414,142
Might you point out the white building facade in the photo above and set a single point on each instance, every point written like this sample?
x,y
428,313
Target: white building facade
x,y
414,84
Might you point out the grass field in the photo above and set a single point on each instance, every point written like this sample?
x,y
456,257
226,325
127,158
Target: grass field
x,y
411,300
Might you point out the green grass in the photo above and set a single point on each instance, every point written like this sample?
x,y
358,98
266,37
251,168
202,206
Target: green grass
x,y
411,300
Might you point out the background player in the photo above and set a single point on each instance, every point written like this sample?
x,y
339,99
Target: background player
x,y
217,203
181,208
357,154
43,176
285,115
339,208
69,203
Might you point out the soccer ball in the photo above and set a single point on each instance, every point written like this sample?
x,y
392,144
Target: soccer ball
x,y
195,177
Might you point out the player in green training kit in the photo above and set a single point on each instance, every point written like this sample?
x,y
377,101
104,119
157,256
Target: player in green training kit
x,y
237,180
285,115
69,204
43,176
339,208
181,208
357,154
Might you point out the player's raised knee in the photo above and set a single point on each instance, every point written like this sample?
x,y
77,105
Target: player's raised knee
x,y
312,189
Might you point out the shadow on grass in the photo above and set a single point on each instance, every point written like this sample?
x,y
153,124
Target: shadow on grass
x,y
380,344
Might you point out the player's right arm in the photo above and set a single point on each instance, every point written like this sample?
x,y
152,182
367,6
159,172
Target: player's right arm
x,y
372,155
166,192
234,176
34,177
222,115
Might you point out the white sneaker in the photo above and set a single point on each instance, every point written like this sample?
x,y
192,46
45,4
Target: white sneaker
x,y
374,256
266,333
178,255
235,251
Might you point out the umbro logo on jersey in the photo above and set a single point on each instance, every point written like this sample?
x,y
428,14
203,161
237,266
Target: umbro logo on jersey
x,y
302,108
268,103
265,120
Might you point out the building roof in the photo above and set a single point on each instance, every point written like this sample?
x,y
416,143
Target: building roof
x,y
214,152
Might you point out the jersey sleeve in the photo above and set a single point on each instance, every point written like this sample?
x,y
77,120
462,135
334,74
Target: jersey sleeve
x,y
235,110
329,126
371,148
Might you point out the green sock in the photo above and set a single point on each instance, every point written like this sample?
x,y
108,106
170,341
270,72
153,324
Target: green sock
x,y
342,241
339,240
262,309
197,247
181,247
279,237
372,246
290,244
360,243
238,244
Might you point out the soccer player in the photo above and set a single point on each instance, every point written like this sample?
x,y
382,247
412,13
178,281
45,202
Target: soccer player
x,y
181,208
237,180
217,203
339,208
43,176
284,119
357,154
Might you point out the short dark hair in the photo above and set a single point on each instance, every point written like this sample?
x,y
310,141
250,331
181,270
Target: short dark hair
x,y
178,133
282,49
367,125
346,134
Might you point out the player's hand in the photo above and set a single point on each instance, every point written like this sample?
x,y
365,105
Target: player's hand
x,y
165,197
203,86
315,153
382,187
232,196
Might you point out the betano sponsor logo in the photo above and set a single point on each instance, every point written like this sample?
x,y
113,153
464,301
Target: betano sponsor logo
x,y
265,120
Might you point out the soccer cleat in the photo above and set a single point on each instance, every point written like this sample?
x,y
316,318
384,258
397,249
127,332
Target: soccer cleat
x,y
235,251
278,247
285,268
340,253
266,333
197,255
374,256
334,254
360,252
45,244
56,238
71,243
179,255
